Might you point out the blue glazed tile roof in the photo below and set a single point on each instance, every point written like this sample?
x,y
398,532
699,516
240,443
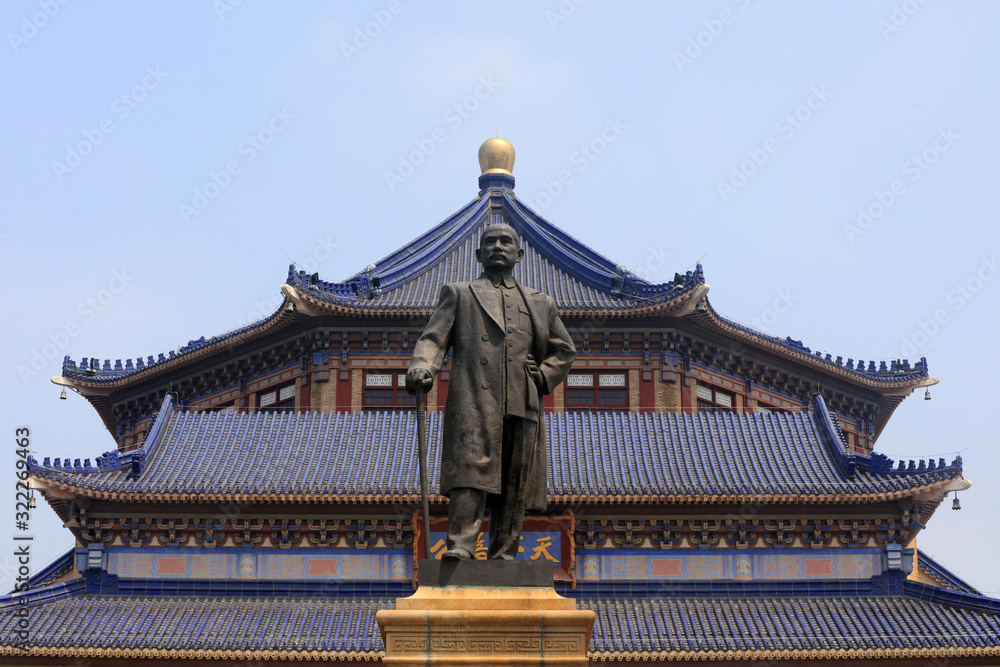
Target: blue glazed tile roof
x,y
591,454
199,622
774,624
576,276
625,625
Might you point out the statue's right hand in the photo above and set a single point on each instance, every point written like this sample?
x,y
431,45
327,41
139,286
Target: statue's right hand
x,y
418,379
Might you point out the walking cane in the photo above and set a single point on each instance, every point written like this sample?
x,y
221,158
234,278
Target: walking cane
x,y
422,458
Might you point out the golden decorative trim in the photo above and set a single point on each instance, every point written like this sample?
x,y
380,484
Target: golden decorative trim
x,y
600,656
186,654
797,654
565,498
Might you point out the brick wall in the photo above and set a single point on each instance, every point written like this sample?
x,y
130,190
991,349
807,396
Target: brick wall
x,y
668,395
357,386
633,389
324,394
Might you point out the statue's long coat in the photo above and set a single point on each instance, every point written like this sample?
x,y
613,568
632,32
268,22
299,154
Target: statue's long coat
x,y
467,320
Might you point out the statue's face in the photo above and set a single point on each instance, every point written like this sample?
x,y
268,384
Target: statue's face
x,y
499,249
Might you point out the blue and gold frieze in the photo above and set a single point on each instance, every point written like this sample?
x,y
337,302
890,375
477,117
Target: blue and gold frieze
x,y
260,564
397,565
779,564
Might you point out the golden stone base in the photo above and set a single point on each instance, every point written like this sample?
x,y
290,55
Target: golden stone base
x,y
485,625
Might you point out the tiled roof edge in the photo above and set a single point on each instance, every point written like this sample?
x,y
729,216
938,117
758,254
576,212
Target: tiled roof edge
x,y
943,574
39,596
440,238
400,267
57,567
898,370
565,252
93,370
886,584
114,459
589,266
758,656
877,464
86,653
889,583
963,600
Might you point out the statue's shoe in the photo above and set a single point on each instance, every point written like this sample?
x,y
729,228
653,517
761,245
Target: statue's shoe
x,y
456,553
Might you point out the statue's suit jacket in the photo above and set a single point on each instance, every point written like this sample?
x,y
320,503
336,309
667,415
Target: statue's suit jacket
x,y
468,320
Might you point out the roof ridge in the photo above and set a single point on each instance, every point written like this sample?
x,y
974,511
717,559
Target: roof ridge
x,y
93,370
43,595
558,246
879,464
897,370
403,265
943,574
134,460
961,599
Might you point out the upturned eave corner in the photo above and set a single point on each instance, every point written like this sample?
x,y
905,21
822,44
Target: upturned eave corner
x,y
909,388
293,295
694,297
890,387
939,493
84,389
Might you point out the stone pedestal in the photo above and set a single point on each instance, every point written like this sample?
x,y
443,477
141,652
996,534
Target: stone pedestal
x,y
485,613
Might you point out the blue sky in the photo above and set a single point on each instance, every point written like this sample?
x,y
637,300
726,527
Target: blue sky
x,y
832,165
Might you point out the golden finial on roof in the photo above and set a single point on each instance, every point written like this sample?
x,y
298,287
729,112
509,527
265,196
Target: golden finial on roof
x,y
496,156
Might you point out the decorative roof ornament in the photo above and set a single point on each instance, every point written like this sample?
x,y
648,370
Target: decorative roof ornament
x,y
496,156
496,162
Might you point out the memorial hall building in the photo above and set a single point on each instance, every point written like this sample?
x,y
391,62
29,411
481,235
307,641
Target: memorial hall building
x,y
715,493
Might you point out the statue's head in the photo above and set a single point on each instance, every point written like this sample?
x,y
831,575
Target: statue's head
x,y
499,249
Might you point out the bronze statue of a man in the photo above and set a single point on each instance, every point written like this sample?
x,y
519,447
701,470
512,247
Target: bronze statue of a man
x,y
509,348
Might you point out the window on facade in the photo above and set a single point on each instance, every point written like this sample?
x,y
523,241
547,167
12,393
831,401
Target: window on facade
x,y
275,400
710,398
386,390
767,407
597,391
221,407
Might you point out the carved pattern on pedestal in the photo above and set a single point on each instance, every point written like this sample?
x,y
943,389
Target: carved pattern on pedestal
x,y
526,640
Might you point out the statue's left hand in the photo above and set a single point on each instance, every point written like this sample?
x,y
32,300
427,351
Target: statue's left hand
x,y
534,371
